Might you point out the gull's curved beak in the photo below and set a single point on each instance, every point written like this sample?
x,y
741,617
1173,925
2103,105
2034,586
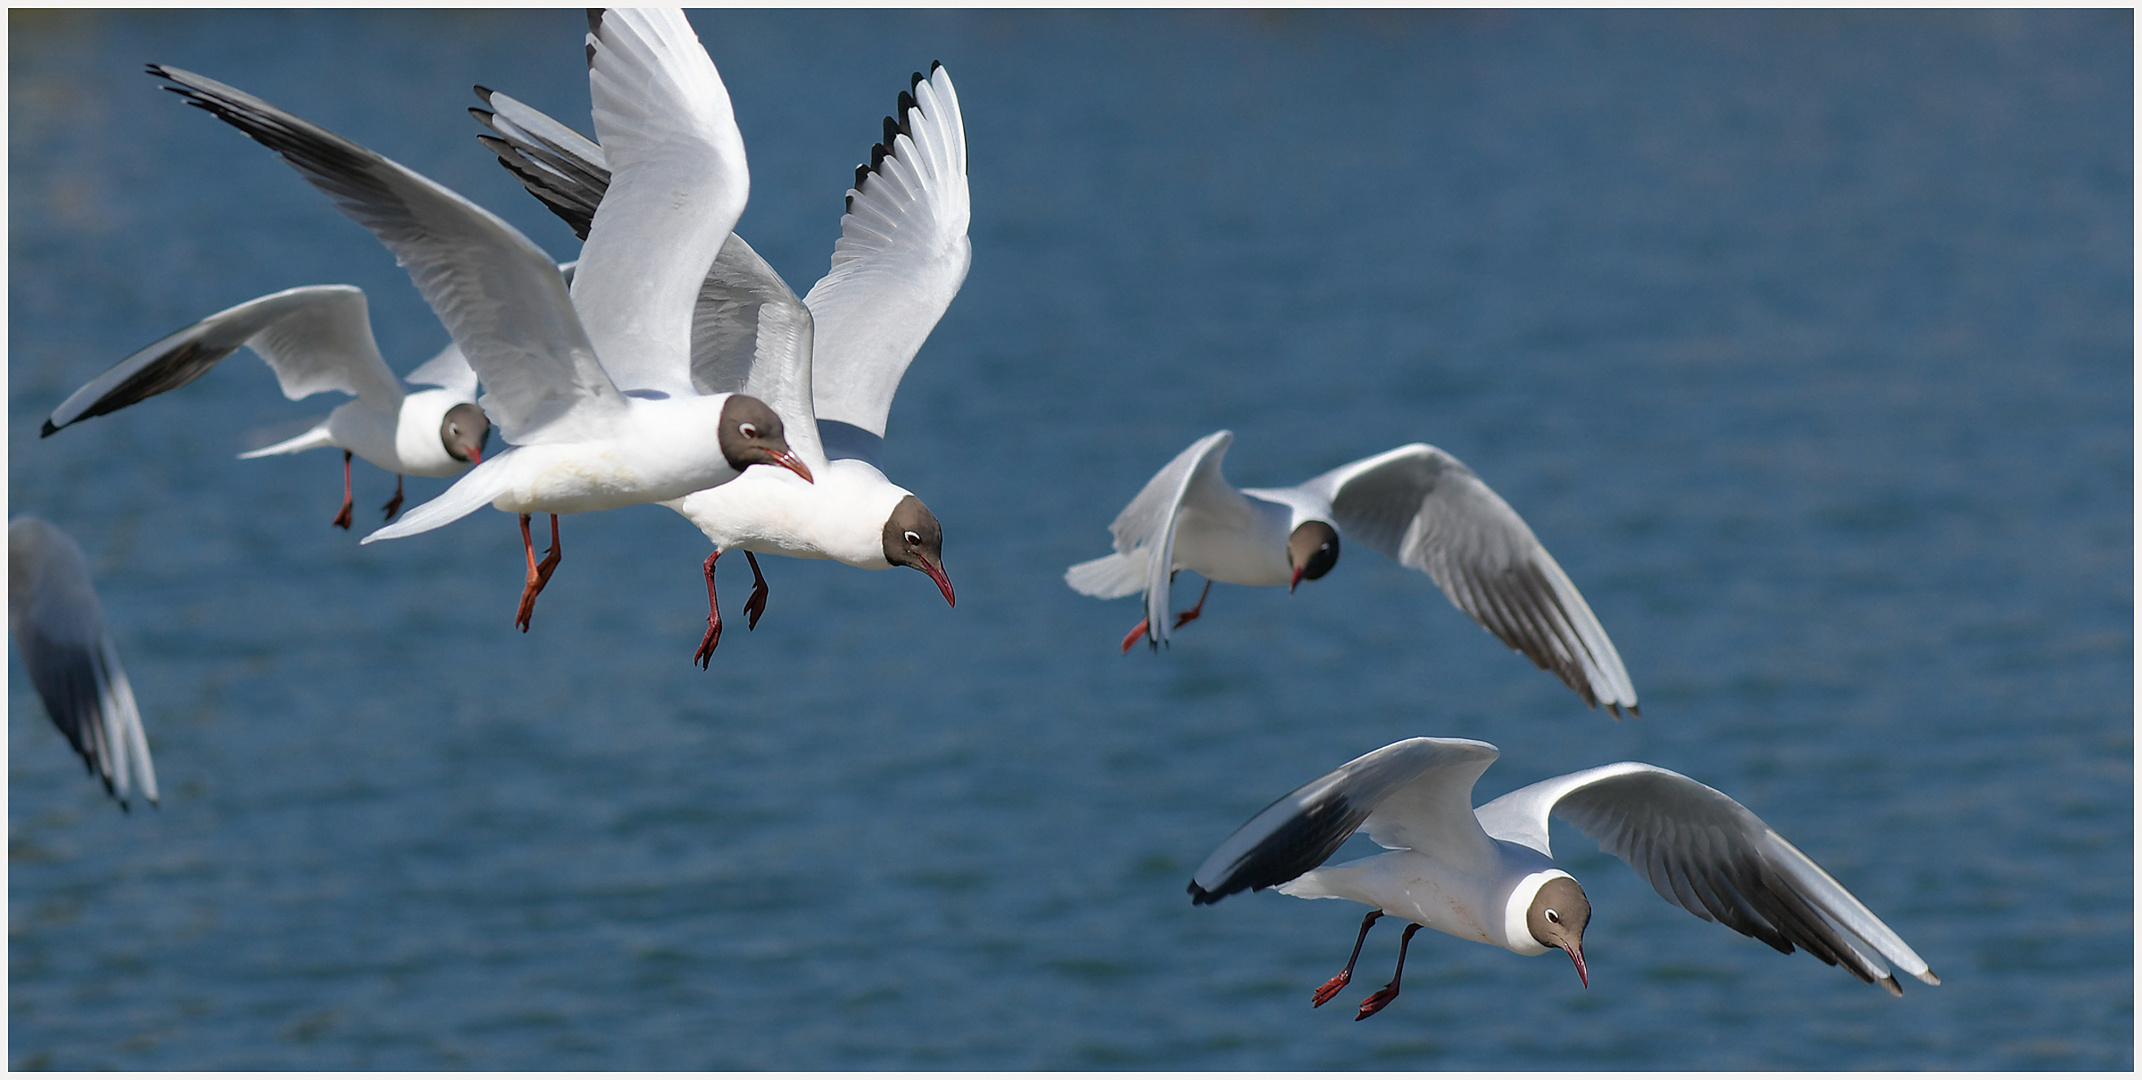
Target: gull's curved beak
x,y
944,584
475,455
792,463
1297,578
1576,953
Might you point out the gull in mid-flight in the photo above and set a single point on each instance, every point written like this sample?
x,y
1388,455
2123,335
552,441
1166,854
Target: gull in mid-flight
x,y
830,363
591,388
1416,504
315,338
1488,874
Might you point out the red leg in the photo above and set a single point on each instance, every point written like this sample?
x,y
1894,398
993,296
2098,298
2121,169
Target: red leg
x,y
712,637
342,518
1381,998
538,574
1136,632
756,606
1338,982
1186,616
394,505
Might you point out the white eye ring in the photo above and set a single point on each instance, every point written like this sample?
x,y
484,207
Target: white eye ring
x,y
1553,916
912,537
748,430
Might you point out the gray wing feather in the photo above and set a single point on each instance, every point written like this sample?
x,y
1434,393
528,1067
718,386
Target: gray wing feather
x,y
315,338
1424,509
1429,780
1713,857
59,631
500,297
560,166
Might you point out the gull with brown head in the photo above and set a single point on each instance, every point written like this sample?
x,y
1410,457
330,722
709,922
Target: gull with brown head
x,y
1489,875
591,387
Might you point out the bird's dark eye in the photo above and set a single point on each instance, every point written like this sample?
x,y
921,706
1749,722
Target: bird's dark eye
x,y
748,430
912,538
1553,916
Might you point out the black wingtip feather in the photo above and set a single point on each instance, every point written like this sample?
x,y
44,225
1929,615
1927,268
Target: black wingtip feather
x,y
1199,897
934,65
48,430
483,92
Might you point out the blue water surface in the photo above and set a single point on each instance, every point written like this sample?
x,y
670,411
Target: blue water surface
x,y
1802,339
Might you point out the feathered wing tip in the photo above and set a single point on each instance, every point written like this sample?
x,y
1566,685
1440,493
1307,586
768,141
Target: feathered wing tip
x,y
59,631
1299,830
927,115
559,166
1706,853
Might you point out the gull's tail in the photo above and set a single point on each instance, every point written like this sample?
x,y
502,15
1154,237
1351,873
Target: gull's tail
x,y
475,490
1109,576
312,439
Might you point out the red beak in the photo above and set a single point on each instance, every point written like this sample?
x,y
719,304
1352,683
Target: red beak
x,y
1577,954
944,584
475,455
792,463
1297,578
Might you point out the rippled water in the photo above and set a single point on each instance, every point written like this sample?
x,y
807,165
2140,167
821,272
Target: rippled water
x,y
1803,340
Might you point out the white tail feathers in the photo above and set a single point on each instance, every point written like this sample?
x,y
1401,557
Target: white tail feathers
x,y
1109,576
312,439
475,490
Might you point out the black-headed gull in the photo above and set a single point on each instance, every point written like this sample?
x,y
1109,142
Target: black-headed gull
x,y
58,626
829,363
592,389
1488,874
1416,504
315,338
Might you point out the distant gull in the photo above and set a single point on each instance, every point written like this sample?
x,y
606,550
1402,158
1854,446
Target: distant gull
x,y
1415,504
829,364
315,338
58,626
587,434
1488,874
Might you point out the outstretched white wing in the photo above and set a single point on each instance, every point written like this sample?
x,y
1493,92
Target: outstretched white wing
x,y
1425,509
500,297
1712,856
1415,794
902,255
678,182
315,338
58,625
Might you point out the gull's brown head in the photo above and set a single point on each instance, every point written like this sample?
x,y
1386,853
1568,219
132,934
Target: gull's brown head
x,y
1312,551
1557,919
914,538
464,432
751,434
